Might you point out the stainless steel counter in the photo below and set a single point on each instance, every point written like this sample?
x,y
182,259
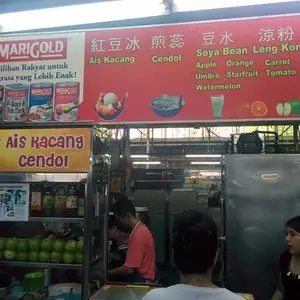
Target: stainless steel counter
x,y
121,292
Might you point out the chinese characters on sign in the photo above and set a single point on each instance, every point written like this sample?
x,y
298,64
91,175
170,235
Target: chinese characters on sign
x,y
159,41
209,38
115,44
174,41
283,34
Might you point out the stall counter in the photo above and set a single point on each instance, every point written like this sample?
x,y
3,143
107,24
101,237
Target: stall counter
x,y
121,292
130,292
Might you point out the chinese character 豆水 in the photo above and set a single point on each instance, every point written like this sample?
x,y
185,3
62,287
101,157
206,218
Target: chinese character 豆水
x,y
226,38
208,38
133,44
176,40
97,45
266,35
115,44
158,42
285,34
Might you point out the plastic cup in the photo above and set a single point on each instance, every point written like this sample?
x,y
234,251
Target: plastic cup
x,y
34,282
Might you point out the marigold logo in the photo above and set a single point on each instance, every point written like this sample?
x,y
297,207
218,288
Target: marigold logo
x,y
67,90
42,49
16,93
41,91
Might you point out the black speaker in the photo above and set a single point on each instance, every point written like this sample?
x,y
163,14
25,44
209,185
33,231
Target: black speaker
x,y
249,143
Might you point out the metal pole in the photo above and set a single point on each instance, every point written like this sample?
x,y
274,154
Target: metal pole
x,y
105,229
167,229
88,224
148,146
224,219
295,137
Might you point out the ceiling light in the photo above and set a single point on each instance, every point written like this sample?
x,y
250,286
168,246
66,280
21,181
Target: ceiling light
x,y
43,174
137,156
146,162
203,155
197,173
205,163
210,173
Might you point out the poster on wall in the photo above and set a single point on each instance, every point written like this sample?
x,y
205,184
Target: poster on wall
x,y
212,71
41,77
14,202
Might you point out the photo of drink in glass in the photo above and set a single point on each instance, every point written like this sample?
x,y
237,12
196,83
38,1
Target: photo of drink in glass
x,y
217,103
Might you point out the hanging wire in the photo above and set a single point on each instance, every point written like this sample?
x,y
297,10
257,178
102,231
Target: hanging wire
x,y
209,131
284,130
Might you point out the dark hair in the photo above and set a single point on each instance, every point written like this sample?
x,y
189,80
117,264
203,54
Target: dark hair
x,y
123,207
195,242
294,223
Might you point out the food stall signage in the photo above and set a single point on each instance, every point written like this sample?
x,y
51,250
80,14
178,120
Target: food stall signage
x,y
60,150
214,71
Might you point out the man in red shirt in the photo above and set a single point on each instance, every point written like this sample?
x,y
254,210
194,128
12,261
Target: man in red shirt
x,y
140,258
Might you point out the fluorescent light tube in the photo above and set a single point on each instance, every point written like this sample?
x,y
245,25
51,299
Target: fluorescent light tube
x,y
137,156
146,162
203,155
205,163
210,173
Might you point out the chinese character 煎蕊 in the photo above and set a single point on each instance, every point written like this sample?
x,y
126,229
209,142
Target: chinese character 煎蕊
x,y
266,35
158,42
208,38
176,40
97,45
285,34
226,38
115,44
133,44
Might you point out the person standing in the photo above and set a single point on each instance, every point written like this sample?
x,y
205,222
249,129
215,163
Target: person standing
x,y
195,248
140,257
289,267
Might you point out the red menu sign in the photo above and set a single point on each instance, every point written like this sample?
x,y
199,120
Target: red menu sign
x,y
227,70
235,70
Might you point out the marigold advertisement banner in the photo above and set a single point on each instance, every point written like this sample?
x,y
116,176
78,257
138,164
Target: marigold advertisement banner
x,y
57,150
41,77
